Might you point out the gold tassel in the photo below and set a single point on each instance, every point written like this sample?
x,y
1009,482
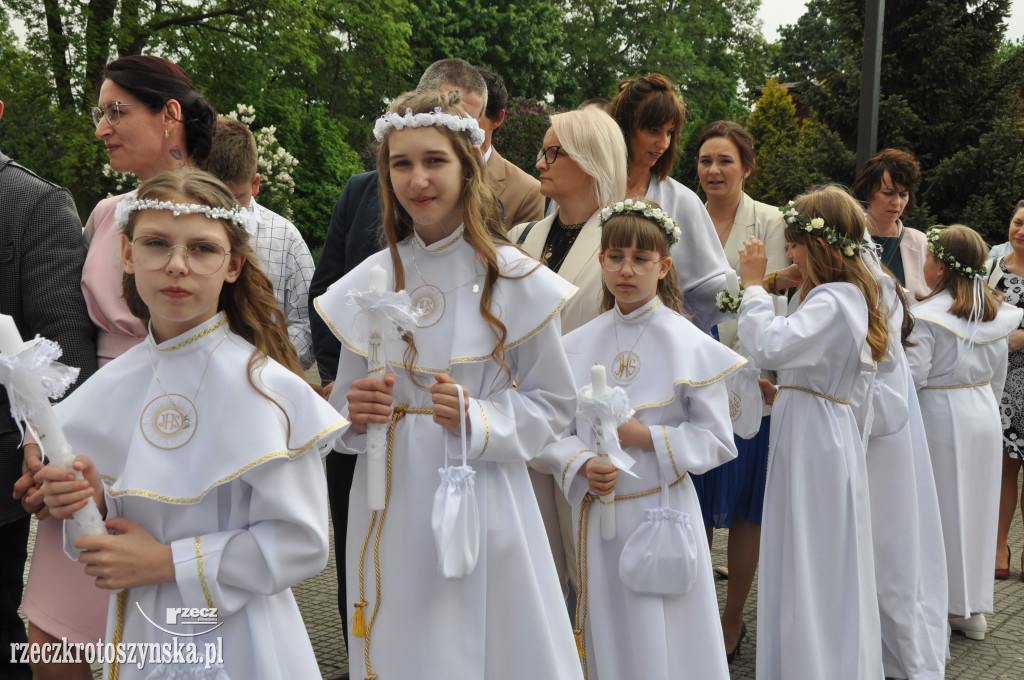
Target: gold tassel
x,y
579,644
358,621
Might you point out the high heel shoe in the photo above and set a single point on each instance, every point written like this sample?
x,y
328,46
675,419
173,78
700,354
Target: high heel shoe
x,y
1003,574
729,656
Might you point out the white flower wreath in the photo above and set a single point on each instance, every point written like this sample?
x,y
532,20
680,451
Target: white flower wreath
x,y
656,215
392,121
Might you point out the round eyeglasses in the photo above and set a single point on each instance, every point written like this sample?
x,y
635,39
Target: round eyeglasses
x,y
549,154
112,112
641,265
152,253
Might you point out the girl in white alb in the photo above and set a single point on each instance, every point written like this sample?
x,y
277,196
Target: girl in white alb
x,y
627,628
208,449
488,315
817,613
958,360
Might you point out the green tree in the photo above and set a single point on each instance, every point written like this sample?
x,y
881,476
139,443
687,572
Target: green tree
x,y
712,48
792,157
517,40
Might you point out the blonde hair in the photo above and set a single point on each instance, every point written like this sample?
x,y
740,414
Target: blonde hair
x,y
632,229
828,264
248,303
593,139
483,228
967,246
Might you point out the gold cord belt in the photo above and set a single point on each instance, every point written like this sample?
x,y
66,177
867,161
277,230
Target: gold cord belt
x,y
115,663
956,387
360,628
580,629
809,391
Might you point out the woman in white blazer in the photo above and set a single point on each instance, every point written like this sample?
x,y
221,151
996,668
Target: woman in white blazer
x,y
732,495
582,168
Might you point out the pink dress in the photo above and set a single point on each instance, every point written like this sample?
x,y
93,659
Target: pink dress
x,y
59,597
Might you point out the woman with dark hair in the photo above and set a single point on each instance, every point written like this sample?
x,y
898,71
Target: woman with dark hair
x,y
650,111
1006,274
886,187
732,495
150,118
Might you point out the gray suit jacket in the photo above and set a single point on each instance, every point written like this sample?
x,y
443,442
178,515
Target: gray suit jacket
x,y
41,256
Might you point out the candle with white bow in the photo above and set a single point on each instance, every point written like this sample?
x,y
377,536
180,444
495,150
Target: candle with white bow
x,y
376,433
599,390
29,400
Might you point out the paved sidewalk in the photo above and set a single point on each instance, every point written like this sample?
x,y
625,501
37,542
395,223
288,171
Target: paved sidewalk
x,y
1000,656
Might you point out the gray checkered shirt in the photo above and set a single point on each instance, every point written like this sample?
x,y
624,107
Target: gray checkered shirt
x,y
284,257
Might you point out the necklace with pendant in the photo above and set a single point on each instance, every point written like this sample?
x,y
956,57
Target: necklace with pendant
x,y
626,365
430,299
170,420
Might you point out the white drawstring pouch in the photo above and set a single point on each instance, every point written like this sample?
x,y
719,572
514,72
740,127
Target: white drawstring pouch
x,y
745,400
455,518
660,557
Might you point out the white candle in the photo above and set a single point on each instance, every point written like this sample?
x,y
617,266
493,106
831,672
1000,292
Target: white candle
x,y
599,390
376,433
10,338
48,432
781,305
732,282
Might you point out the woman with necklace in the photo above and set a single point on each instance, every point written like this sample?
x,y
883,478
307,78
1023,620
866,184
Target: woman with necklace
x,y
887,187
150,118
650,112
582,167
732,496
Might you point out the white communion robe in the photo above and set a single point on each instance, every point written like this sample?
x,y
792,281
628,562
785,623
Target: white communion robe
x,y
682,398
960,406
910,563
506,619
699,258
242,503
817,609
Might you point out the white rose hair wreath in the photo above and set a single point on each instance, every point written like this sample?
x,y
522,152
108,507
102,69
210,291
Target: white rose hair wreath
x,y
817,227
945,258
656,215
393,121
132,203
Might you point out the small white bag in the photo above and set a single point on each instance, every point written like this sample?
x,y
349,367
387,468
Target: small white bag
x,y
745,400
660,557
455,518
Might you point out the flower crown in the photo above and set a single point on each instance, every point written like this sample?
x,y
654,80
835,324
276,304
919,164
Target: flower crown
x,y
392,120
656,215
945,258
132,203
817,226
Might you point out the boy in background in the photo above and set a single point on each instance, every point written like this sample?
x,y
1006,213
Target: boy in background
x,y
283,254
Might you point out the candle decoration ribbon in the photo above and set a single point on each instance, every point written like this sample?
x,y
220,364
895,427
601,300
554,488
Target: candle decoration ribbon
x,y
605,409
32,376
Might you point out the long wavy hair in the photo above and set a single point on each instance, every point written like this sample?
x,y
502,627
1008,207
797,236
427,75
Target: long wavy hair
x,y
967,246
248,303
633,230
828,264
483,230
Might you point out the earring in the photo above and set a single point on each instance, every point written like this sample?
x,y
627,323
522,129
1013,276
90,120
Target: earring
x,y
167,135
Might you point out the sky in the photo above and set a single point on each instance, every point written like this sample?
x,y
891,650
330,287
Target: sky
x,y
775,13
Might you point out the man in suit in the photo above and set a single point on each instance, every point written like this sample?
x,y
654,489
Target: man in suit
x,y
41,256
353,235
518,192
